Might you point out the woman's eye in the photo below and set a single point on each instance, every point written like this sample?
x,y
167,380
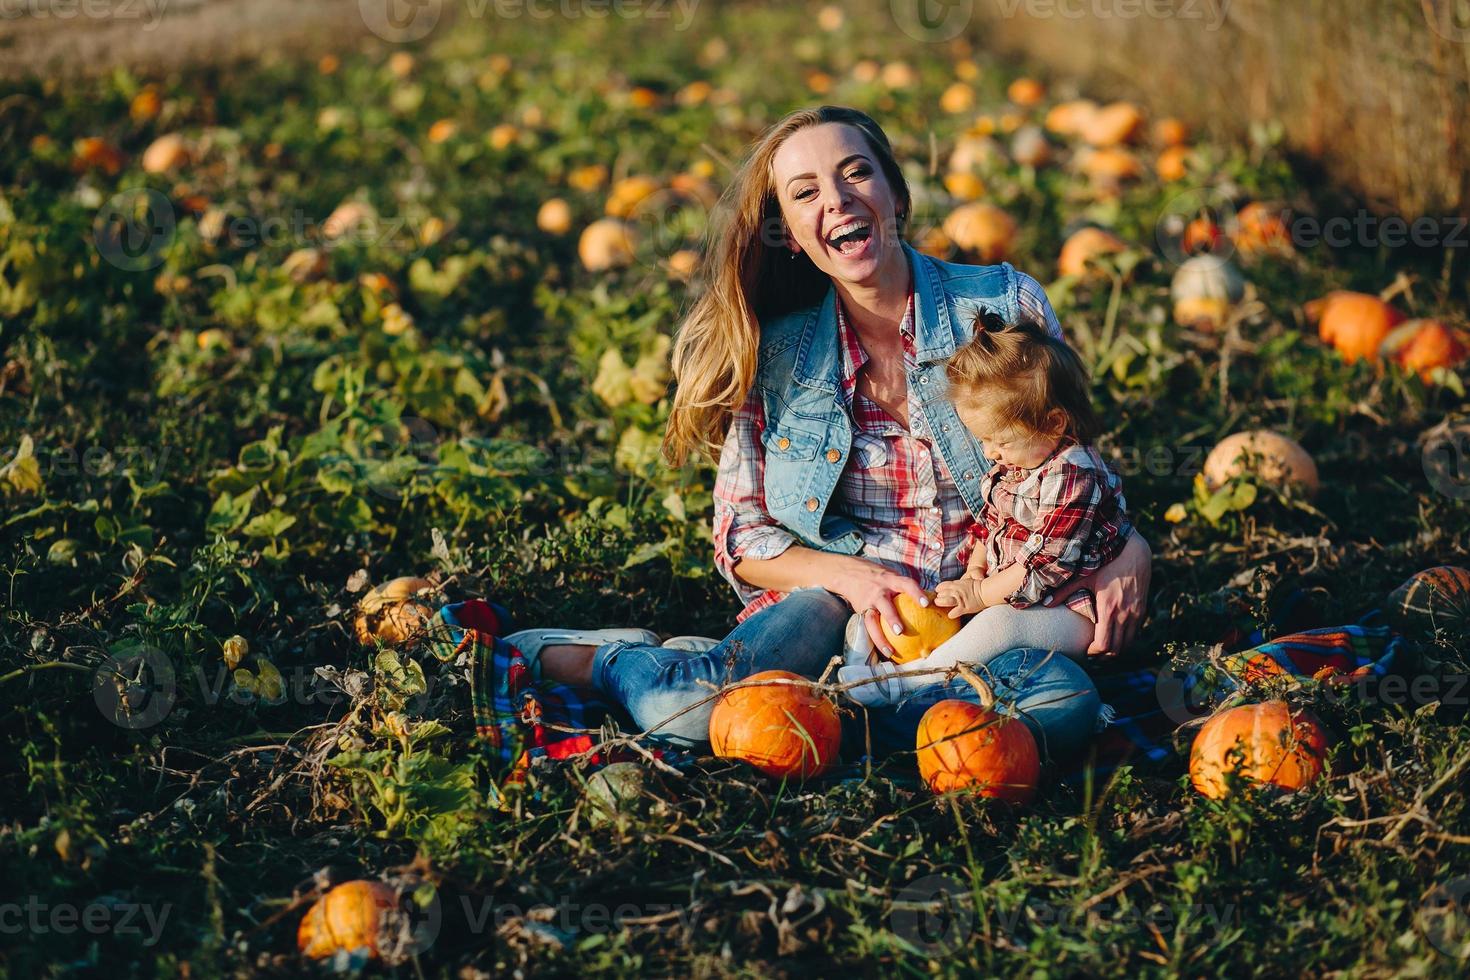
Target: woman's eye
x,y
858,173
804,193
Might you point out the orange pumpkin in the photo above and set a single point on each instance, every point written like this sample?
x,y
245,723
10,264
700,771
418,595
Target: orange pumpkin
x,y
1269,456
1171,132
94,152
1202,235
1173,164
1109,168
958,98
1422,346
1262,743
965,186
347,918
1026,92
1260,229
1112,124
1356,324
983,230
1086,245
785,730
607,244
1434,599
961,744
168,152
1068,118
394,611
628,193
554,216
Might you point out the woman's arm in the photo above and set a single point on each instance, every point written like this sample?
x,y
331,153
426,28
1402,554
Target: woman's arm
x,y
753,552
867,586
1121,588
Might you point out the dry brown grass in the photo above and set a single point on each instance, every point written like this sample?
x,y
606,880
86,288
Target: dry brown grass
x,y
1370,88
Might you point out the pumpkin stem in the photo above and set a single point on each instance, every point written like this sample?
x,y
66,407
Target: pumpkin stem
x,y
987,695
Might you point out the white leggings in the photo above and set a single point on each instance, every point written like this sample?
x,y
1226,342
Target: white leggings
x,y
996,629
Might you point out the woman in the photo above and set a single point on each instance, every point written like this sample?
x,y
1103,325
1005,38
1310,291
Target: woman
x,y
814,363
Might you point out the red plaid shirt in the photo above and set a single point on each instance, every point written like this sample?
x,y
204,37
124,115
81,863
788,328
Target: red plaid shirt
x,y
895,487
1062,519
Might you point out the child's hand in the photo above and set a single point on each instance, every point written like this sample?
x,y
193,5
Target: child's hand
x,y
961,597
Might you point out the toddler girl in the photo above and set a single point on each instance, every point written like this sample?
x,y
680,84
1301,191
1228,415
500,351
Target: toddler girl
x,y
1053,509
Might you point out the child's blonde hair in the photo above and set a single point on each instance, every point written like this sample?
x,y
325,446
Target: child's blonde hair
x,y
1022,374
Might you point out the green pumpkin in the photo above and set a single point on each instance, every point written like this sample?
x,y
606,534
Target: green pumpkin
x,y
621,791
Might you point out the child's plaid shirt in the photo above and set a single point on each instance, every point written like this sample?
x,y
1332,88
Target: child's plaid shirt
x,y
1062,519
895,487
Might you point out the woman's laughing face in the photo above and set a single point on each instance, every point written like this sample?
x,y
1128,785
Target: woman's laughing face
x,y
838,205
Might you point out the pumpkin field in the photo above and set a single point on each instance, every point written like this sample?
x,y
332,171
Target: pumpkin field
x,y
296,350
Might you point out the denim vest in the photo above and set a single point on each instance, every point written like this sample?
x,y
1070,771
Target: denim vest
x,y
808,433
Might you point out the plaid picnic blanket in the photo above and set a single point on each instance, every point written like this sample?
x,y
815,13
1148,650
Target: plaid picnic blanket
x,y
524,722
520,720
1150,704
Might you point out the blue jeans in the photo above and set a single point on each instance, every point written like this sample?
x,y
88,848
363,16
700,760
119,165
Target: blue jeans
x,y
802,633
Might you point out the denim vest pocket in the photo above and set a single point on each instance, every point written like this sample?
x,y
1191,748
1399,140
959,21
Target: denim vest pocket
x,y
789,452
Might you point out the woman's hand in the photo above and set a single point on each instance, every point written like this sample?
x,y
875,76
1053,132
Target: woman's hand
x,y
869,588
1121,587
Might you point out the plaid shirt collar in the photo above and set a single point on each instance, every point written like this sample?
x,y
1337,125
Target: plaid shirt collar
x,y
850,354
934,332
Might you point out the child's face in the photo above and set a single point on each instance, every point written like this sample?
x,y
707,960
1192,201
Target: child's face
x,y
1005,443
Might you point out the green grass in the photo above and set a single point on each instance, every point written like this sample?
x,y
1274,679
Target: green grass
x,y
184,492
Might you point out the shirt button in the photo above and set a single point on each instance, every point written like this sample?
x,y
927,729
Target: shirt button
x,y
833,455
811,503
783,443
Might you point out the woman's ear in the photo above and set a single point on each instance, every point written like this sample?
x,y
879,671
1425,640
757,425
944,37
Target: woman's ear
x,y
1056,423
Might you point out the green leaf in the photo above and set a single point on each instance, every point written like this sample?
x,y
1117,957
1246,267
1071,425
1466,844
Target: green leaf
x,y
648,552
272,524
229,512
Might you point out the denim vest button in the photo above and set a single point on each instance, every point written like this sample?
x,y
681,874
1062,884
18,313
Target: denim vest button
x,y
833,455
969,475
783,443
811,503
924,380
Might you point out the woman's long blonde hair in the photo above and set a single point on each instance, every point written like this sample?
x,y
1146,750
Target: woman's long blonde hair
x,y
750,276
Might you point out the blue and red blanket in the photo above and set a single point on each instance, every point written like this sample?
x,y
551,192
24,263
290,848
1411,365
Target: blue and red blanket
x,y
525,721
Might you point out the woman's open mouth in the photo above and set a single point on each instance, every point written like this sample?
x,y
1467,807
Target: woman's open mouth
x,y
851,237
